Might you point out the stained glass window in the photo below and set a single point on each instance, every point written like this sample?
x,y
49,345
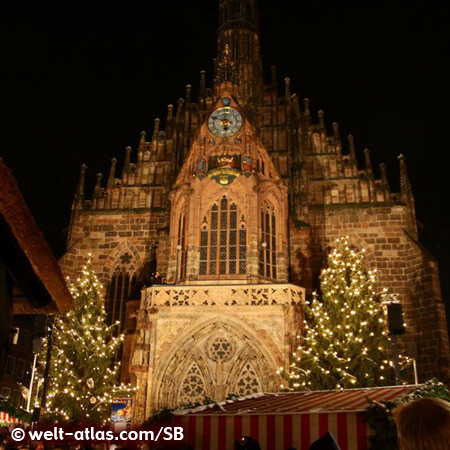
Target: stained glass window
x,y
121,285
223,241
267,252
182,247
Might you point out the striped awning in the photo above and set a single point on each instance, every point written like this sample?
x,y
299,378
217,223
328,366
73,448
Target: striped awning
x,y
5,417
303,402
287,419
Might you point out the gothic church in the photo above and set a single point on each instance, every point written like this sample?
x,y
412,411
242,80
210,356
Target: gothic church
x,y
235,201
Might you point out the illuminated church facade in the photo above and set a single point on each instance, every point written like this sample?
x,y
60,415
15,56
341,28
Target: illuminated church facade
x,y
236,202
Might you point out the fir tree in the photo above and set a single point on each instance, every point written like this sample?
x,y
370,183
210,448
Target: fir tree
x,y
346,342
83,372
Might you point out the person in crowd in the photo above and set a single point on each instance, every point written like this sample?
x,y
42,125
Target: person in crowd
x,y
423,424
326,442
156,278
4,433
247,443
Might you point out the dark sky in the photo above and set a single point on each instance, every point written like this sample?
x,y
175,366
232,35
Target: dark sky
x,y
80,80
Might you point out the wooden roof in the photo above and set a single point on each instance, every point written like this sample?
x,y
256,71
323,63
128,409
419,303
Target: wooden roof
x,y
28,256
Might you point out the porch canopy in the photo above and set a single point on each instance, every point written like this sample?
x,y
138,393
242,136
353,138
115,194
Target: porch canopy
x,y
287,419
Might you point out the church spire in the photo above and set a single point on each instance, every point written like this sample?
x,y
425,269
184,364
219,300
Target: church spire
x,y
238,42
238,14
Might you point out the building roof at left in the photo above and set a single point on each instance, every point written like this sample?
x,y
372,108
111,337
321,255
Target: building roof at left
x,y
40,287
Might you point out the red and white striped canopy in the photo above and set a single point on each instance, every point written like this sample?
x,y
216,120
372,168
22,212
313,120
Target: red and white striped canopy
x,y
5,417
287,419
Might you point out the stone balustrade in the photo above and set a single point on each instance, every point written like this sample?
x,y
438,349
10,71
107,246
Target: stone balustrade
x,y
224,295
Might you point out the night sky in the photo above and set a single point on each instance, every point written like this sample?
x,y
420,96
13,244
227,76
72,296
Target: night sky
x,y
80,81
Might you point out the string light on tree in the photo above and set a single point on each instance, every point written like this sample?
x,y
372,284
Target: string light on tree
x,y
83,374
346,342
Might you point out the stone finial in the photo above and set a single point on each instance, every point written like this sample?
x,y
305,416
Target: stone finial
x,y
384,181
335,129
98,185
81,181
156,129
405,185
180,104
321,115
369,170
287,88
139,164
202,82
126,164
295,105
306,106
188,94
337,136
351,144
169,112
273,77
112,174
142,141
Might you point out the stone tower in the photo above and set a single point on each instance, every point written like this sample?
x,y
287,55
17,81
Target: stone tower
x,y
236,202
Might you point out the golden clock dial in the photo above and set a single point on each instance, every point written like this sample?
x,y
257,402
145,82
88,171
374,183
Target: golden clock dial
x,y
225,122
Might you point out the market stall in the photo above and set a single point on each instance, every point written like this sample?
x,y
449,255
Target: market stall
x,y
6,419
288,419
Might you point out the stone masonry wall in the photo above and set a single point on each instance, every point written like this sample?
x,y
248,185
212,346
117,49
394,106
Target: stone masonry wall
x,y
402,266
108,235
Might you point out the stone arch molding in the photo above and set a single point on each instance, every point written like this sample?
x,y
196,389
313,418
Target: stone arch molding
x,y
244,377
250,357
173,380
114,260
235,191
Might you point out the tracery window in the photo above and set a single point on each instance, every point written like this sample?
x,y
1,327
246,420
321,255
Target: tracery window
x,y
181,247
192,387
248,382
122,283
221,348
223,240
267,252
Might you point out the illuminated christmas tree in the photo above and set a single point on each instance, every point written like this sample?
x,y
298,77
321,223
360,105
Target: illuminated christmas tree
x,y
83,372
346,342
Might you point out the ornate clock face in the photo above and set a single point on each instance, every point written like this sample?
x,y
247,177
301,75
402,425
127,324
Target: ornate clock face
x,y
225,122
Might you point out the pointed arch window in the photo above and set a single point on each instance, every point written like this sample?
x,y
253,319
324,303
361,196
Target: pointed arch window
x,y
121,286
223,240
192,387
248,381
181,247
267,253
